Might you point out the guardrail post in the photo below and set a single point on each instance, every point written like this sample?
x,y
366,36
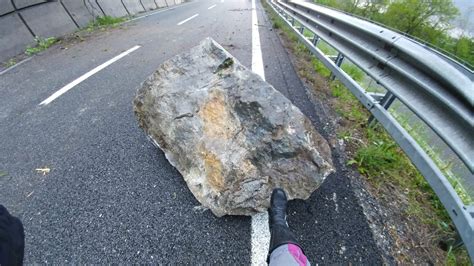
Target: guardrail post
x,y
292,21
301,29
457,243
386,101
315,40
338,62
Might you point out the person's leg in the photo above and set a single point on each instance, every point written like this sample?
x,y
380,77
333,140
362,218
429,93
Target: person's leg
x,y
12,239
288,254
284,248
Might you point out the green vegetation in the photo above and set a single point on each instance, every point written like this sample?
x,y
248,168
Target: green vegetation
x,y
376,155
9,63
353,71
426,20
320,68
383,162
420,133
226,64
105,21
307,33
326,48
41,45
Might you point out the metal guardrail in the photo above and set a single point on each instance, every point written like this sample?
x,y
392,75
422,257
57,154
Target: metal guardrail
x,y
438,90
437,49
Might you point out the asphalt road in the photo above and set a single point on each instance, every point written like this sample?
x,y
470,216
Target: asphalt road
x,y
111,196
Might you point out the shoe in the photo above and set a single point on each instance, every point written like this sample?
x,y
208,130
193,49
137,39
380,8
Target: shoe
x,y
280,233
12,239
277,210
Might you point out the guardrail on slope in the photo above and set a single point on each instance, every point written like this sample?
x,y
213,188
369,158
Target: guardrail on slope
x,y
436,89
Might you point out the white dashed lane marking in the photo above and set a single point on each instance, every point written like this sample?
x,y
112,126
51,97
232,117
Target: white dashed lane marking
x,y
86,76
188,19
260,233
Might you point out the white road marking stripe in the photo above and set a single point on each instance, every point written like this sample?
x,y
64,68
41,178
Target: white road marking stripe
x,y
211,7
260,239
257,61
16,65
260,233
162,9
87,75
188,19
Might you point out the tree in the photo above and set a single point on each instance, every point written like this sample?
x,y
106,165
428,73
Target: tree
x,y
428,20
415,16
372,8
464,49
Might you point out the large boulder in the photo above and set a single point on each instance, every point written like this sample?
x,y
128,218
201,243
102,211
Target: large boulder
x,y
230,134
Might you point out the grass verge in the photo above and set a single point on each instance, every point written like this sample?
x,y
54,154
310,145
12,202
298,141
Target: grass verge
x,y
104,22
11,62
388,171
41,45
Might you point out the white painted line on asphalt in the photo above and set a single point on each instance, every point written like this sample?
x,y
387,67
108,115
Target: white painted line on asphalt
x,y
260,239
159,11
260,233
87,75
151,14
188,19
16,65
211,7
257,61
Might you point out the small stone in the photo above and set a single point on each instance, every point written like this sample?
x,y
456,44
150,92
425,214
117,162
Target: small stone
x,y
230,134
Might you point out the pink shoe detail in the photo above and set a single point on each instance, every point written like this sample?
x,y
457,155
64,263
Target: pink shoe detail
x,y
297,253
